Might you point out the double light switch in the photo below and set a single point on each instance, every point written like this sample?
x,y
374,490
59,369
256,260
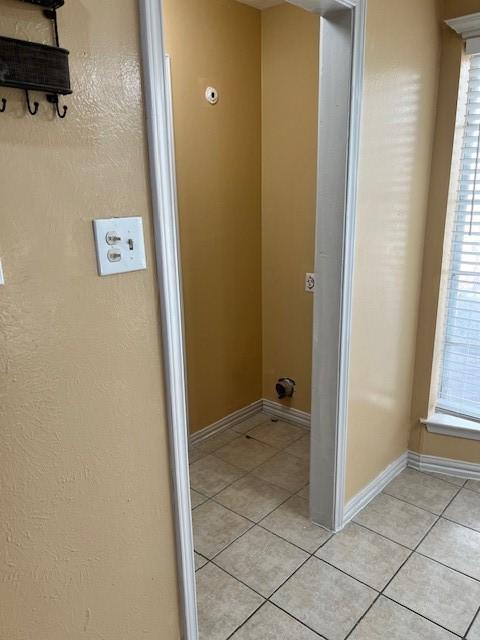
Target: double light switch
x,y
120,245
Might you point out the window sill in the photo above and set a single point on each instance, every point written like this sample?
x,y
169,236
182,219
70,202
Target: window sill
x,y
447,425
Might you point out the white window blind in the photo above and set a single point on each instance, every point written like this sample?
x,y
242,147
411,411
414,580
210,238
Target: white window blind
x,y
459,391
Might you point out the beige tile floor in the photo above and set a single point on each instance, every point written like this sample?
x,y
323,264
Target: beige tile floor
x,y
408,566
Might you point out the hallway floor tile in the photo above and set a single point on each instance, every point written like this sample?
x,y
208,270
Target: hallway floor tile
x,y
408,566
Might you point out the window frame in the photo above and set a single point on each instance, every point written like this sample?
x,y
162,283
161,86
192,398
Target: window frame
x,y
442,418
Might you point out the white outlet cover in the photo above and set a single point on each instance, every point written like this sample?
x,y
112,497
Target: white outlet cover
x,y
310,282
128,249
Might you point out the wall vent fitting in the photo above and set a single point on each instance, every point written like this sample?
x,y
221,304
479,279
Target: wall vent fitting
x,y
211,94
285,388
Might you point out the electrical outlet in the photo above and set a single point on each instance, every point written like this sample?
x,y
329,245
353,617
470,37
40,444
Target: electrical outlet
x,y
310,282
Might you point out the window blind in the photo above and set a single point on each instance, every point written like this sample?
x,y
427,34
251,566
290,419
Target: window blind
x,y
459,391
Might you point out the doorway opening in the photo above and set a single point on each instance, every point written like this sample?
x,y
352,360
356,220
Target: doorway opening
x,y
249,435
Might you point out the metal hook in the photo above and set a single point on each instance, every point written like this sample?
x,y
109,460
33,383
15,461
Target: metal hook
x,y
3,108
53,99
33,111
64,111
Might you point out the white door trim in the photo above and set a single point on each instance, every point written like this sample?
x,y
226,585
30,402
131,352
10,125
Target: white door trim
x,y
162,180
341,77
169,280
358,64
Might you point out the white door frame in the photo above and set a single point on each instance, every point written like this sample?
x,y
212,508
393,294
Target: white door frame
x,y
162,180
167,248
342,44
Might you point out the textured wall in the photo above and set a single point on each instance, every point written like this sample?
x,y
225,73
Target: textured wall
x,y
402,54
426,364
218,172
290,54
86,541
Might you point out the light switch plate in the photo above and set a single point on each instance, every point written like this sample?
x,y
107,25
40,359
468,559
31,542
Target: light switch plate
x,y
120,245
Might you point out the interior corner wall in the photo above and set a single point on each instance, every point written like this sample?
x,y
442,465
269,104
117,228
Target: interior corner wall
x,y
290,61
87,547
400,91
421,440
218,149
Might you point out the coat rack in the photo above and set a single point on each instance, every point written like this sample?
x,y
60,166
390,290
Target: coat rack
x,y
31,66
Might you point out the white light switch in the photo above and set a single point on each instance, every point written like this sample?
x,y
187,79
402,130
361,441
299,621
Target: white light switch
x,y
120,245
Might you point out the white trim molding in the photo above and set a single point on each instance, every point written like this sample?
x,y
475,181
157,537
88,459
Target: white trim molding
x,y
429,464
469,28
344,17
227,422
267,407
446,466
162,183
448,425
325,7
289,414
342,53
376,486
466,26
358,64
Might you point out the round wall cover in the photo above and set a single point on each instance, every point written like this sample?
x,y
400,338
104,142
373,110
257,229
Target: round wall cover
x,y
211,94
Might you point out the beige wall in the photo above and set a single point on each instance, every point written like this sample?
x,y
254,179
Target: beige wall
x,y
420,440
456,8
226,229
87,548
396,147
218,172
290,53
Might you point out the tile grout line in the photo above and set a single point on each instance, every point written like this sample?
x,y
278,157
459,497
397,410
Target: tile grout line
x,y
382,535
245,472
358,524
413,551
429,474
269,513
437,624
477,615
283,611
412,504
268,599
460,524
442,564
257,524
212,498
244,435
312,555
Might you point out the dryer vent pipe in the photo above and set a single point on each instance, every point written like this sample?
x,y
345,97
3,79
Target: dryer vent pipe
x,y
285,388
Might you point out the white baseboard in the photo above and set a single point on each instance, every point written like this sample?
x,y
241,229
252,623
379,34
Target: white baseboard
x,y
228,421
458,468
295,416
375,487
